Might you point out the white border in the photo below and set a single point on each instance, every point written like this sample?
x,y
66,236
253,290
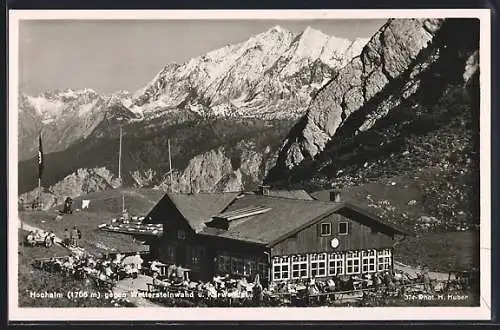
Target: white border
x,y
252,314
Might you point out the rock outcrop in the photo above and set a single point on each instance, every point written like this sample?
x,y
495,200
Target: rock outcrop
x,y
222,169
389,60
81,182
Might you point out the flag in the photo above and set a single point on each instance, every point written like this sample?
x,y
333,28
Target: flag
x,y
40,157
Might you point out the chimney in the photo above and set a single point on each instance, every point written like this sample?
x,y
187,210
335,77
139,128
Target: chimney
x,y
335,196
264,190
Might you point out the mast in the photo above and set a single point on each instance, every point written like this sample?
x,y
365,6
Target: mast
x,y
120,169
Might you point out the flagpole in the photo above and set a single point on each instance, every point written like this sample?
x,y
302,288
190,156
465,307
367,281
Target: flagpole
x,y
40,169
170,165
39,193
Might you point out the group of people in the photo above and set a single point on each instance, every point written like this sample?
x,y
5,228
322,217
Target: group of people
x,y
47,237
219,289
72,238
176,278
107,269
388,283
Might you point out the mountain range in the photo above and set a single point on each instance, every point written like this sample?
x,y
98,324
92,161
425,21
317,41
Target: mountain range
x,y
240,95
270,76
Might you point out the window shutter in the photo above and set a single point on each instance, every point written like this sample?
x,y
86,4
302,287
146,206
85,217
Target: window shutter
x,y
318,229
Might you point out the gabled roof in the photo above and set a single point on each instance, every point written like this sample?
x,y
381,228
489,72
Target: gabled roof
x,y
283,217
199,208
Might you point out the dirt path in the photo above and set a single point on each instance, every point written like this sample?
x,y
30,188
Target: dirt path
x,y
129,287
57,240
135,193
25,226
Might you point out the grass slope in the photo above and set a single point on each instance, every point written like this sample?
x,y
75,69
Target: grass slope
x,y
440,251
103,207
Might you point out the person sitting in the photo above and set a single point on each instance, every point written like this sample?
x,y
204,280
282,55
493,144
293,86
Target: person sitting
x,y
220,282
127,269
172,271
330,284
68,266
156,281
313,289
102,276
38,234
118,259
154,267
179,276
134,271
211,290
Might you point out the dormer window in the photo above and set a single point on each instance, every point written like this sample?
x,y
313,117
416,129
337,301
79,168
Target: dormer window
x,y
223,220
343,228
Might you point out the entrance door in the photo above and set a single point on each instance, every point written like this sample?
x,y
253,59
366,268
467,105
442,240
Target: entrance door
x,y
180,255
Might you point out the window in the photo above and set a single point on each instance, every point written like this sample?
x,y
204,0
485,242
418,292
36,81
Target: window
x,y
263,270
299,266
384,260
197,253
368,260
250,267
171,253
237,265
181,234
352,262
326,229
281,268
343,228
335,264
318,265
224,263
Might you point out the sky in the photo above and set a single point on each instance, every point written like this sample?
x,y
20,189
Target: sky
x,y
109,56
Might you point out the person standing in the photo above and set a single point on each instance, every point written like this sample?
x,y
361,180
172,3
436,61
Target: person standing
x,y
126,216
67,237
52,237
74,236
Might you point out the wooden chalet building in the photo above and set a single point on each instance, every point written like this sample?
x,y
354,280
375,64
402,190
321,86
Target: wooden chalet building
x,y
281,238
